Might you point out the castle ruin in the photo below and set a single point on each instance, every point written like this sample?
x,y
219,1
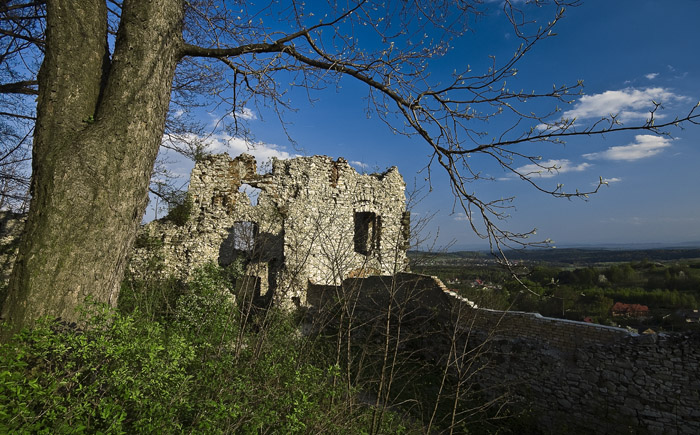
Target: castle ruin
x,y
316,222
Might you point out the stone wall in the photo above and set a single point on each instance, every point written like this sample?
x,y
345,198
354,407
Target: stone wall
x,y
638,384
11,226
574,377
316,221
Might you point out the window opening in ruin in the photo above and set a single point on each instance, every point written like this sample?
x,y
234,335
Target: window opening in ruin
x,y
406,229
367,232
244,234
252,192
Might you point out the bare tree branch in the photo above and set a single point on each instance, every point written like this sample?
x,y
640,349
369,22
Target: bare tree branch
x,y
22,87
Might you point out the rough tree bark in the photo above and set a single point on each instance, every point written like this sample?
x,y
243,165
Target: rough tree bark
x,y
99,127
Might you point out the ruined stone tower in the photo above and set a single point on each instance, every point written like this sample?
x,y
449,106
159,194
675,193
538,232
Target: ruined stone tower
x,y
316,222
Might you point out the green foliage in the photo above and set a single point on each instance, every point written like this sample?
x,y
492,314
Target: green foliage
x,y
657,298
207,310
143,240
155,299
155,295
497,298
183,360
119,374
594,303
180,207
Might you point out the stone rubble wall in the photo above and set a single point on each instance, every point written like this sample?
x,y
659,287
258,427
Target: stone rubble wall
x,y
573,377
11,226
305,220
320,197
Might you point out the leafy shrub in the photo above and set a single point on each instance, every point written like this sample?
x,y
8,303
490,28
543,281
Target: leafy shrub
x,y
154,299
202,368
146,241
180,209
117,375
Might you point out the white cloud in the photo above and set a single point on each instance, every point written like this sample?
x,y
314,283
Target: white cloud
x,y
651,76
557,167
644,145
245,114
236,145
223,143
628,104
359,164
607,181
460,217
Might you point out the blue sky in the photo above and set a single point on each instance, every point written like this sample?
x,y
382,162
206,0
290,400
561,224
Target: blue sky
x,y
626,52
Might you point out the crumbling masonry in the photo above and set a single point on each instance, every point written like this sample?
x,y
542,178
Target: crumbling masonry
x,y
316,221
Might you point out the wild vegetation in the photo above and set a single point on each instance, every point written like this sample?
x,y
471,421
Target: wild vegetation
x,y
174,358
200,357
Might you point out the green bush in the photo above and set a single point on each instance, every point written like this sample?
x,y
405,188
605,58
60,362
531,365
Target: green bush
x,y
202,368
179,209
145,241
154,299
119,374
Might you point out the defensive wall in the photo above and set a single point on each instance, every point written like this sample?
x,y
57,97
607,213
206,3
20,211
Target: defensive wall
x,y
573,377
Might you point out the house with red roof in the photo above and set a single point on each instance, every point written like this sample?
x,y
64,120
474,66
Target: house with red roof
x,y
621,309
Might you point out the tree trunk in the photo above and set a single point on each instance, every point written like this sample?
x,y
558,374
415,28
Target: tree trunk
x,y
99,127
